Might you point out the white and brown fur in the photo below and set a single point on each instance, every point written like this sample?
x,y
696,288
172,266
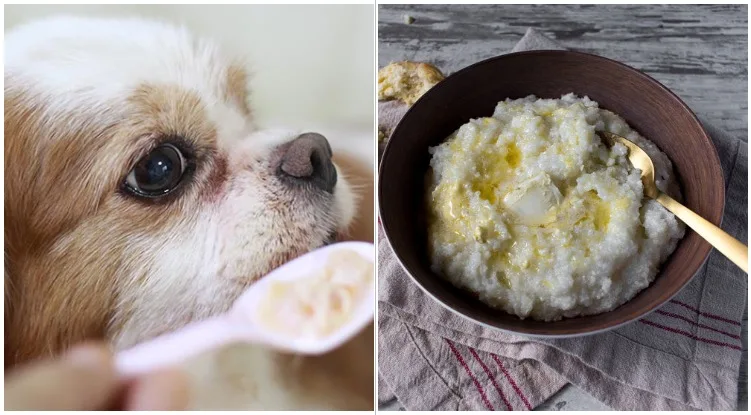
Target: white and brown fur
x,y
85,99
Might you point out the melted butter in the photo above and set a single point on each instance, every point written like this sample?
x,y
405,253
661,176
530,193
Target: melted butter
x,y
486,189
495,167
503,279
502,258
500,263
534,201
621,204
493,170
449,204
513,155
597,210
602,216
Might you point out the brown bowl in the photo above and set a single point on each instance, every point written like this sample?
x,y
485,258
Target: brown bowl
x,y
649,107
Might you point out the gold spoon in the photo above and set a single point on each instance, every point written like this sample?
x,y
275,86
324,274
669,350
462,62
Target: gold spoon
x,y
729,246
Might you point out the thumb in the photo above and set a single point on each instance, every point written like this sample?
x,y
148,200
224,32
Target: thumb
x,y
84,379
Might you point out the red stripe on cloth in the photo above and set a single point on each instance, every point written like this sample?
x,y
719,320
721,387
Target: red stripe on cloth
x,y
492,378
714,316
471,376
687,334
665,313
511,381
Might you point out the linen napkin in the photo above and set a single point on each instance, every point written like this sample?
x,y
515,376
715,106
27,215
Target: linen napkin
x,y
683,356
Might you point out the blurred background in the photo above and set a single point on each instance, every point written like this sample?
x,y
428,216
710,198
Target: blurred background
x,y
311,65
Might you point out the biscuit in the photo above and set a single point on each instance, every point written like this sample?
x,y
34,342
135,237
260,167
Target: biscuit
x,y
383,135
406,81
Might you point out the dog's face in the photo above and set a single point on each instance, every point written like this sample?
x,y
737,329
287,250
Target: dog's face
x,y
138,196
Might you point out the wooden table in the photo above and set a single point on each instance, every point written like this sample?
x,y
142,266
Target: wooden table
x,y
699,52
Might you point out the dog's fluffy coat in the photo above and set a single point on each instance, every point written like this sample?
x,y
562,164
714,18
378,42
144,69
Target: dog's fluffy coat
x,y
85,99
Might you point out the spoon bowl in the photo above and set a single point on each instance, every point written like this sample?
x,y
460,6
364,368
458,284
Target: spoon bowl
x,y
245,308
638,158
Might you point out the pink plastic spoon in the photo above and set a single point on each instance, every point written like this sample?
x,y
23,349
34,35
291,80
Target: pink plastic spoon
x,y
240,324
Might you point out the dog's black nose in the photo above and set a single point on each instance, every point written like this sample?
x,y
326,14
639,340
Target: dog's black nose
x,y
308,159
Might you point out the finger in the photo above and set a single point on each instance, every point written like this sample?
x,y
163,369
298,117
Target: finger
x,y
84,379
166,390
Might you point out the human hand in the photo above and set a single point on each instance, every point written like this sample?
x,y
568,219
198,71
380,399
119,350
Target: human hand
x,y
85,379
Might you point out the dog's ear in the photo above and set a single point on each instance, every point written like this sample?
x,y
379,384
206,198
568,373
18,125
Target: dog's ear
x,y
36,210
236,89
8,287
22,119
10,139
14,147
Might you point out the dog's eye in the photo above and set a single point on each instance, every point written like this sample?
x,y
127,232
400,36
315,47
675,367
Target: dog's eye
x,y
158,173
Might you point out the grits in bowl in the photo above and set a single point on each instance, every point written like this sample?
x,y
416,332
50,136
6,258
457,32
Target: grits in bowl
x,y
531,212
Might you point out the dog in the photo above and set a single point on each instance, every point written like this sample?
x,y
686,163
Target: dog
x,y
140,196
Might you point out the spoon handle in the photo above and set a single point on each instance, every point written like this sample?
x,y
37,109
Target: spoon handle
x,y
173,348
719,239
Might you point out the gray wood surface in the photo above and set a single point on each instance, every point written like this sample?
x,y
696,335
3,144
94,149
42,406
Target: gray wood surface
x,y
699,52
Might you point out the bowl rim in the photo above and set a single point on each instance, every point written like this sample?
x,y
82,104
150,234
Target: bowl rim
x,y
694,119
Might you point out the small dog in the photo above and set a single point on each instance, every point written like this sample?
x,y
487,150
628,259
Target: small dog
x,y
139,196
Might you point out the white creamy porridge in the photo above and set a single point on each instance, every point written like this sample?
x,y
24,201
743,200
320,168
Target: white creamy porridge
x,y
319,305
530,211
